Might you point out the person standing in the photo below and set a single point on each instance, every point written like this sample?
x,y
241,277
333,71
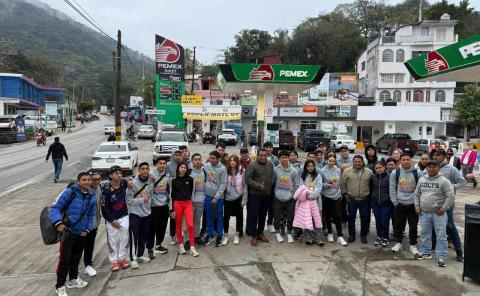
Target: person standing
x,y
319,160
171,171
95,189
381,204
259,177
371,157
293,158
58,152
434,195
64,125
396,154
185,155
468,162
268,146
244,158
198,201
453,160
355,185
422,164
344,161
391,165
220,148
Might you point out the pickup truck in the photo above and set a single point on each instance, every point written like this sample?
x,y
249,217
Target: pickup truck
x,y
390,141
287,141
309,139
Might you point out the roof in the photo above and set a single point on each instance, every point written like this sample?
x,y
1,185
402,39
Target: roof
x,y
114,143
31,81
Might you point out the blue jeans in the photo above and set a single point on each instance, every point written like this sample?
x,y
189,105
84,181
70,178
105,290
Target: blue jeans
x,y
57,163
429,220
452,232
362,206
382,213
208,210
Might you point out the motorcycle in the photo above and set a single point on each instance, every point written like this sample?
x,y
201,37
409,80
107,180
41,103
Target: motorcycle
x,y
41,139
191,137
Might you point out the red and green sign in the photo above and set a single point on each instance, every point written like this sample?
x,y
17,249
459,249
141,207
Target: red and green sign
x,y
454,62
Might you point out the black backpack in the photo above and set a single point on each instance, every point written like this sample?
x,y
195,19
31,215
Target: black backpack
x,y
397,177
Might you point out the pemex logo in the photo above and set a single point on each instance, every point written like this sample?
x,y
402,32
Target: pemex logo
x,y
167,52
435,62
263,72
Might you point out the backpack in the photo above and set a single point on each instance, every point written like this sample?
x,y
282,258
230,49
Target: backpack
x,y
397,177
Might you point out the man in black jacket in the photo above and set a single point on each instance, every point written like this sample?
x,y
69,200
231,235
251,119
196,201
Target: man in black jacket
x,y
58,152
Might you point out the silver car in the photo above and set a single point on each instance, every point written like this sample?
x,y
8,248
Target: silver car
x,y
146,131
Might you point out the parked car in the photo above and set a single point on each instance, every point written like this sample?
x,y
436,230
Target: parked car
x,y
390,141
287,140
208,137
121,153
451,142
309,139
109,128
227,136
339,140
167,141
146,131
426,145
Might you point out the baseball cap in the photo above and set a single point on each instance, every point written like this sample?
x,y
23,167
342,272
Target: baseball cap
x,y
434,162
343,147
115,168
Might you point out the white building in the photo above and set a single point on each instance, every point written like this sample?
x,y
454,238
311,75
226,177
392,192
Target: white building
x,y
394,102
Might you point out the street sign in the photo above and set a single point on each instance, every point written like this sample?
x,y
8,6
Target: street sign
x,y
156,112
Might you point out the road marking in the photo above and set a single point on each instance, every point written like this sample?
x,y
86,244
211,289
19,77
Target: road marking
x,y
15,188
74,163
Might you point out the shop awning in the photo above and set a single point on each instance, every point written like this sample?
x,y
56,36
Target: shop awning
x,y
456,62
20,103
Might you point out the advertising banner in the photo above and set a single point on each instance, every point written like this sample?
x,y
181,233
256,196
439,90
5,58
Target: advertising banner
x,y
169,59
334,89
285,100
248,100
189,100
211,116
51,109
295,112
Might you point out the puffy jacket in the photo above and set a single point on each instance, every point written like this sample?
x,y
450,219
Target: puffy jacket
x,y
380,188
307,213
84,203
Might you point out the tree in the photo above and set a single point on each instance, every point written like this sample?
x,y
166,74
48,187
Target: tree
x,y
468,108
189,62
209,70
86,105
248,45
280,42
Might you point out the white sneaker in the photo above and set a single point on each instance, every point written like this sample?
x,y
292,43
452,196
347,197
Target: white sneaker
x,y
236,240
397,247
76,283
290,238
413,249
225,240
330,238
181,249
194,252
174,240
279,237
341,241
90,271
271,229
61,291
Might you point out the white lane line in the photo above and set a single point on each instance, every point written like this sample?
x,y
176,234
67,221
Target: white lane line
x,y
74,163
15,188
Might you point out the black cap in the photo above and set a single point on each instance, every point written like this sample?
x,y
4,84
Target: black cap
x,y
441,152
343,147
243,150
115,168
182,147
434,162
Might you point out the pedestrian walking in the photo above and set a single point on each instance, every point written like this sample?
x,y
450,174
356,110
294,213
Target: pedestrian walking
x,y
381,204
467,161
58,152
64,125
95,189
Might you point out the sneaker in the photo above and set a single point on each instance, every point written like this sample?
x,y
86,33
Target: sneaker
x,y
413,249
198,241
143,259
90,271
418,256
218,242
225,240
377,242
397,248
124,263
208,240
194,252
460,258
320,242
330,238
134,264
385,243
270,228
181,249
341,241
174,240
441,263
290,238
160,250
236,240
279,237
298,234
151,254
61,291
76,283
187,245
309,242
115,266
55,180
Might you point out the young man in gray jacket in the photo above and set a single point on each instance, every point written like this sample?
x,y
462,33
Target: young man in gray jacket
x,y
433,197
198,174
286,182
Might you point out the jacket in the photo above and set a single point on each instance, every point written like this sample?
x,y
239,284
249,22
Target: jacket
x,y
216,180
356,183
114,202
286,182
331,182
257,176
370,163
307,214
98,210
57,150
83,206
471,158
433,193
137,205
235,186
161,192
199,184
453,175
380,188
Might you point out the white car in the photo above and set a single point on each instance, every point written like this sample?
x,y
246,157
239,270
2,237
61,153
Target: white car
x,y
227,136
146,131
120,153
340,140
109,129
167,141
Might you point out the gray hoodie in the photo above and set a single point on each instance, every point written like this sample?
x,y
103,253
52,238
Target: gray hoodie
x,y
286,182
344,163
453,175
137,205
98,213
216,180
199,188
433,193
172,168
331,182
160,192
406,186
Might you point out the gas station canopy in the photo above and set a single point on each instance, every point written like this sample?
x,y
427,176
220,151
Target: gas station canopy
x,y
456,62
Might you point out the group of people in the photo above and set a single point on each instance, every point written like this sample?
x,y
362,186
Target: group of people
x,y
196,198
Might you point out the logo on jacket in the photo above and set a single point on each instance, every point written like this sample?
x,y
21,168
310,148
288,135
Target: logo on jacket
x,y
435,62
167,52
263,72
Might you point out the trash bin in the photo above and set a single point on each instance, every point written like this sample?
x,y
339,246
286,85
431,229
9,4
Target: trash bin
x,y
471,265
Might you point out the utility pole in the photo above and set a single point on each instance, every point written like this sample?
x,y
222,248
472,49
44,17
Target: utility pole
x,y
118,123
114,90
193,69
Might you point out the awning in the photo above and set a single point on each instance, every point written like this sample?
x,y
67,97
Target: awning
x,y
456,62
20,103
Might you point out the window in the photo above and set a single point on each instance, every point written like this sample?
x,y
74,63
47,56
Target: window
x,y
408,96
385,96
387,56
418,96
427,96
387,78
400,58
399,78
420,132
440,96
363,66
254,126
308,124
397,96
425,31
441,35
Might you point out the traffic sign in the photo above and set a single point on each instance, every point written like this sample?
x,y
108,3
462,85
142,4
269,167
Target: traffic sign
x,y
157,112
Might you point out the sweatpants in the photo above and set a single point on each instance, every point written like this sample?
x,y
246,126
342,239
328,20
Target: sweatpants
x,y
184,209
257,207
404,213
204,220
332,210
88,247
71,249
233,208
117,240
284,212
158,226
382,214
139,228
208,209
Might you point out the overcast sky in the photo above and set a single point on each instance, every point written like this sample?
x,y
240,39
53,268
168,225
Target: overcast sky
x,y
210,25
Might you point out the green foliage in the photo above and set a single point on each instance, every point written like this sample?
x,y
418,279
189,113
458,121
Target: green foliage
x,y
248,45
86,105
209,70
468,107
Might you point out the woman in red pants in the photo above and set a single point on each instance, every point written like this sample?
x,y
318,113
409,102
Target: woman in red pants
x,y
182,192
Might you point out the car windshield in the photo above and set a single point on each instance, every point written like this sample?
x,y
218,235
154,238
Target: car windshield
x,y
316,134
149,127
401,136
172,137
112,148
228,133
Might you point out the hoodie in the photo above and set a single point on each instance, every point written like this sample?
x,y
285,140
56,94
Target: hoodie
x,y
199,184
136,205
274,160
453,175
381,188
344,163
317,185
160,192
236,187
216,180
298,166
405,194
172,168
98,212
370,162
286,182
433,193
331,182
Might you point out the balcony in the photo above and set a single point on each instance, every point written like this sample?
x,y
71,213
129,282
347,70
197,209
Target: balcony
x,y
388,39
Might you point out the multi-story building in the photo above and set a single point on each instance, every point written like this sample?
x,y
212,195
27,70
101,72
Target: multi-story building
x,y
392,101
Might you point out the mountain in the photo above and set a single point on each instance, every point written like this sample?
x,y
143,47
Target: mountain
x,y
55,49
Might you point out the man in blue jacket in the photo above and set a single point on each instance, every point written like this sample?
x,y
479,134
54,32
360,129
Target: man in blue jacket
x,y
80,213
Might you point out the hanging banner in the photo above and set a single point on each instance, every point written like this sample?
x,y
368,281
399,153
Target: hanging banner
x,y
169,59
211,116
188,100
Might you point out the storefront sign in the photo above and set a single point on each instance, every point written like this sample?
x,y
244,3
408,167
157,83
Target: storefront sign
x,y
169,59
333,89
211,116
51,109
295,112
188,100
312,109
